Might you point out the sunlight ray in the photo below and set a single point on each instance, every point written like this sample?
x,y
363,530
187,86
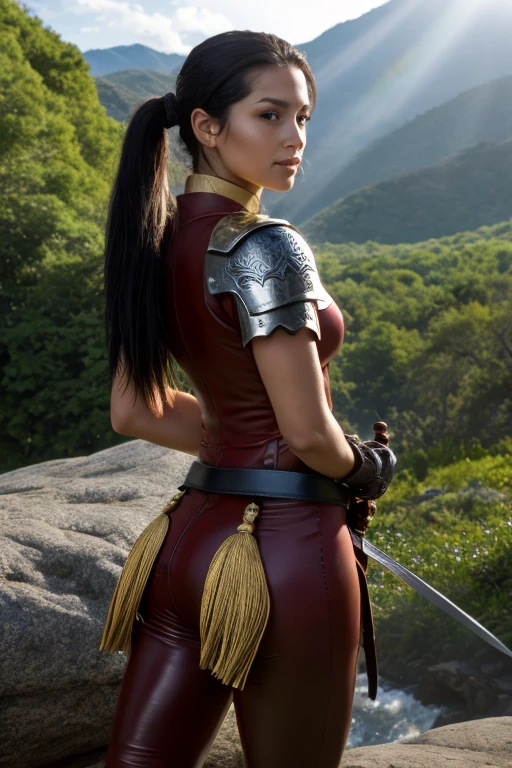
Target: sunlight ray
x,y
377,106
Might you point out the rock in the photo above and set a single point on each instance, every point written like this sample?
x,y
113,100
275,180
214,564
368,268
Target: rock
x,y
66,527
478,490
430,493
476,744
226,751
473,686
476,689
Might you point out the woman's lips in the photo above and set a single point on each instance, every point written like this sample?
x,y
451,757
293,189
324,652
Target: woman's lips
x,y
292,164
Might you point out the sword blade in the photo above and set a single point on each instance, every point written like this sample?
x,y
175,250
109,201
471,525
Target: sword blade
x,y
431,594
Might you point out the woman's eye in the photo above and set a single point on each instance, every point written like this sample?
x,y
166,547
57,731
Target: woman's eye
x,y
303,119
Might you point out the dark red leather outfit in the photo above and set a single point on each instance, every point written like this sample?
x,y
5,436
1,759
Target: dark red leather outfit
x,y
295,709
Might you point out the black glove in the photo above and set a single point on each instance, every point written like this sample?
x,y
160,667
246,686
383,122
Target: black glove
x,y
373,468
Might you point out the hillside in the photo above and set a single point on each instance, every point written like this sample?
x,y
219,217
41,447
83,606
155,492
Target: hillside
x,y
466,191
103,61
378,71
122,92
482,114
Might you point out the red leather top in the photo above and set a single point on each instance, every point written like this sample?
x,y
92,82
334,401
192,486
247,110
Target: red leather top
x,y
239,425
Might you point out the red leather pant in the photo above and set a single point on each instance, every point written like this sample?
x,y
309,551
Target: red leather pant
x,y
295,710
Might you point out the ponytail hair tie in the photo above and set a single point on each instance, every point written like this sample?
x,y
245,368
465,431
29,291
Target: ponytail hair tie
x,y
170,109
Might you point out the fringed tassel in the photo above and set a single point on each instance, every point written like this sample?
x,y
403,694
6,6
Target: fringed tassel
x,y
235,606
132,581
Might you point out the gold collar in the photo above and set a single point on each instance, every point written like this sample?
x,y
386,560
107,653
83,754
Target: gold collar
x,y
202,182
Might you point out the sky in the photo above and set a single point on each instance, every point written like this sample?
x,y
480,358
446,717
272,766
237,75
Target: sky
x,y
175,26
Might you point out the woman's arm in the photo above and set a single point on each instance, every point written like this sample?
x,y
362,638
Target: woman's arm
x,y
178,428
291,372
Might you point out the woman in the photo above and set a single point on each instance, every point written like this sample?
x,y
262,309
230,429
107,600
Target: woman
x,y
262,401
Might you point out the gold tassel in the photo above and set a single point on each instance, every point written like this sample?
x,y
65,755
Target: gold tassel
x,y
132,581
235,605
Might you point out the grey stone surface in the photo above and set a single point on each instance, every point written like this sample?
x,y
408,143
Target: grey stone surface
x,y
485,743
66,528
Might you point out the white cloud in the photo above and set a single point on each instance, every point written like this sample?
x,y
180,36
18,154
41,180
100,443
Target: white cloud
x,y
298,21
177,32
175,26
192,19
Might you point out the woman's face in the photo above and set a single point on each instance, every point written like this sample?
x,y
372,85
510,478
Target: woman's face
x,y
262,143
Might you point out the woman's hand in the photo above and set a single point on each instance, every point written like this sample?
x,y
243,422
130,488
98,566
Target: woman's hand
x,y
373,469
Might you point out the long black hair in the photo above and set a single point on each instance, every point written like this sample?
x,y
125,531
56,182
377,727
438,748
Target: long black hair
x,y
213,77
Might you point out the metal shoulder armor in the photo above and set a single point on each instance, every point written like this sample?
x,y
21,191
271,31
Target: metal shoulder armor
x,y
271,270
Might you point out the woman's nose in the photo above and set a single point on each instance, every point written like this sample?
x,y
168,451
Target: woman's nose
x,y
296,139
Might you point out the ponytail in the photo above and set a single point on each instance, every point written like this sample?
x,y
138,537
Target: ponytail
x,y
140,208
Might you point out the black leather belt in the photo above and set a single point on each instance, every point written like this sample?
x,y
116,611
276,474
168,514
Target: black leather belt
x,y
274,483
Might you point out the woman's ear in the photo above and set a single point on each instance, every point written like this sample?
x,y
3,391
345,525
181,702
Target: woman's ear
x,y
205,127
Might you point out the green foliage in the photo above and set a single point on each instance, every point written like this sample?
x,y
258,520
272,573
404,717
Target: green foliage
x,y
462,192
58,152
428,344
460,541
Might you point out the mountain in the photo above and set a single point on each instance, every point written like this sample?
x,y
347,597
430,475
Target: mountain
x,y
374,74
482,114
378,71
103,61
121,92
466,191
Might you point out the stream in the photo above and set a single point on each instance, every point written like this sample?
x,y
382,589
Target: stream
x,y
393,715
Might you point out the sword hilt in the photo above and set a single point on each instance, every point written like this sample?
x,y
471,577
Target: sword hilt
x,y
361,511
381,436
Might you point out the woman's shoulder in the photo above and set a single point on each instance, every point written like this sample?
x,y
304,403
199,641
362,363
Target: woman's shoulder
x,y
269,267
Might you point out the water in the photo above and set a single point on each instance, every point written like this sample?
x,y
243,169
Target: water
x,y
393,715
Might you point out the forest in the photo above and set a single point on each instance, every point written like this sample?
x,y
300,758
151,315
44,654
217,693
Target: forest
x,y
428,342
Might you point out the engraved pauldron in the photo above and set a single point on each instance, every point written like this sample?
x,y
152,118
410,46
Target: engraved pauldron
x,y
271,270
